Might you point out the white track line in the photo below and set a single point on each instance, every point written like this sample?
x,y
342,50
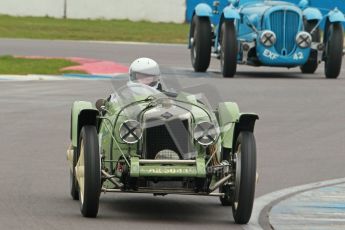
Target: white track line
x,y
262,202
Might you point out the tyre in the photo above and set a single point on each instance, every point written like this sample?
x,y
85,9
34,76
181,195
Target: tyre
x,y
245,177
88,171
73,181
334,50
228,52
201,34
311,65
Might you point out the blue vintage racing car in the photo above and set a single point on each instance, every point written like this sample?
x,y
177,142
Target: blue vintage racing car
x,y
266,33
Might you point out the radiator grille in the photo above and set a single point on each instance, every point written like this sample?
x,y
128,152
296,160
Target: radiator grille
x,y
172,135
285,24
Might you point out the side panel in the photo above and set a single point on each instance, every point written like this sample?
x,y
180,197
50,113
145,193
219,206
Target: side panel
x,y
229,114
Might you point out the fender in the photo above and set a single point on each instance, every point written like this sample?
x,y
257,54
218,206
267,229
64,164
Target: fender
x,y
246,123
229,114
83,113
230,12
203,10
336,16
312,13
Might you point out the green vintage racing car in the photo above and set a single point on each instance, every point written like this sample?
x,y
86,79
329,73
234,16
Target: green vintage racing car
x,y
145,140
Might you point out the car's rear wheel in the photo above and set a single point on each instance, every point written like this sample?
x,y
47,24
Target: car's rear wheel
x,y
311,65
334,50
201,41
88,171
245,177
229,46
73,181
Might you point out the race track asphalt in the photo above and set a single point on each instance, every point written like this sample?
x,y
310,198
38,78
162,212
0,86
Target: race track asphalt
x,y
300,138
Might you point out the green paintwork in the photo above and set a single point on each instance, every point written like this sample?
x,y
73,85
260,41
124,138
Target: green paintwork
x,y
229,114
114,150
159,170
77,107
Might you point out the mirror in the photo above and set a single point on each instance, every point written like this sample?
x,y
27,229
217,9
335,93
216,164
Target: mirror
x,y
100,104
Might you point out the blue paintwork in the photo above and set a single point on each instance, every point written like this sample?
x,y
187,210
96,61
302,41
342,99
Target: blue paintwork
x,y
230,12
203,10
297,57
285,19
312,13
323,6
336,16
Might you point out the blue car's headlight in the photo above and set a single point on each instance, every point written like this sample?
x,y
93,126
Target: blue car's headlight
x,y
304,39
268,38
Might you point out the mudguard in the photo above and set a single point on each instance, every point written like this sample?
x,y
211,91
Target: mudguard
x,y
83,113
245,123
230,12
312,13
203,10
336,16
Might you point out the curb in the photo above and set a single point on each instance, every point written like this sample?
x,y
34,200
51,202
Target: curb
x,y
266,202
34,77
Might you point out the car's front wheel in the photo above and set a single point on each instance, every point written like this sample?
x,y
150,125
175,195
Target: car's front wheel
x,y
245,177
228,51
88,171
334,50
201,39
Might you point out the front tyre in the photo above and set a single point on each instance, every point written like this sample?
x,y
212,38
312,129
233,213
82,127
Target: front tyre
x,y
245,177
311,65
88,171
201,40
228,52
334,50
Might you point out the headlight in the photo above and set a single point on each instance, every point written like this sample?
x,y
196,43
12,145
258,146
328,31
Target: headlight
x,y
131,131
268,38
205,133
303,39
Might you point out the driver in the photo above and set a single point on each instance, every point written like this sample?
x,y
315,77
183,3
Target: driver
x,y
145,71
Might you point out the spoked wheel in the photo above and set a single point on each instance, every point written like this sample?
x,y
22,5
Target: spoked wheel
x,y
73,181
334,50
88,171
311,65
228,52
245,177
201,39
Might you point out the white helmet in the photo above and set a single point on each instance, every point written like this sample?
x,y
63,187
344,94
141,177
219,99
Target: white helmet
x,y
145,71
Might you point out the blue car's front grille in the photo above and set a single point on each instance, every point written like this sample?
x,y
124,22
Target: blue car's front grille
x,y
285,24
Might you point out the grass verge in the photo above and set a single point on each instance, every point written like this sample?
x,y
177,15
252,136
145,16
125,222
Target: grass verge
x,y
25,66
106,30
